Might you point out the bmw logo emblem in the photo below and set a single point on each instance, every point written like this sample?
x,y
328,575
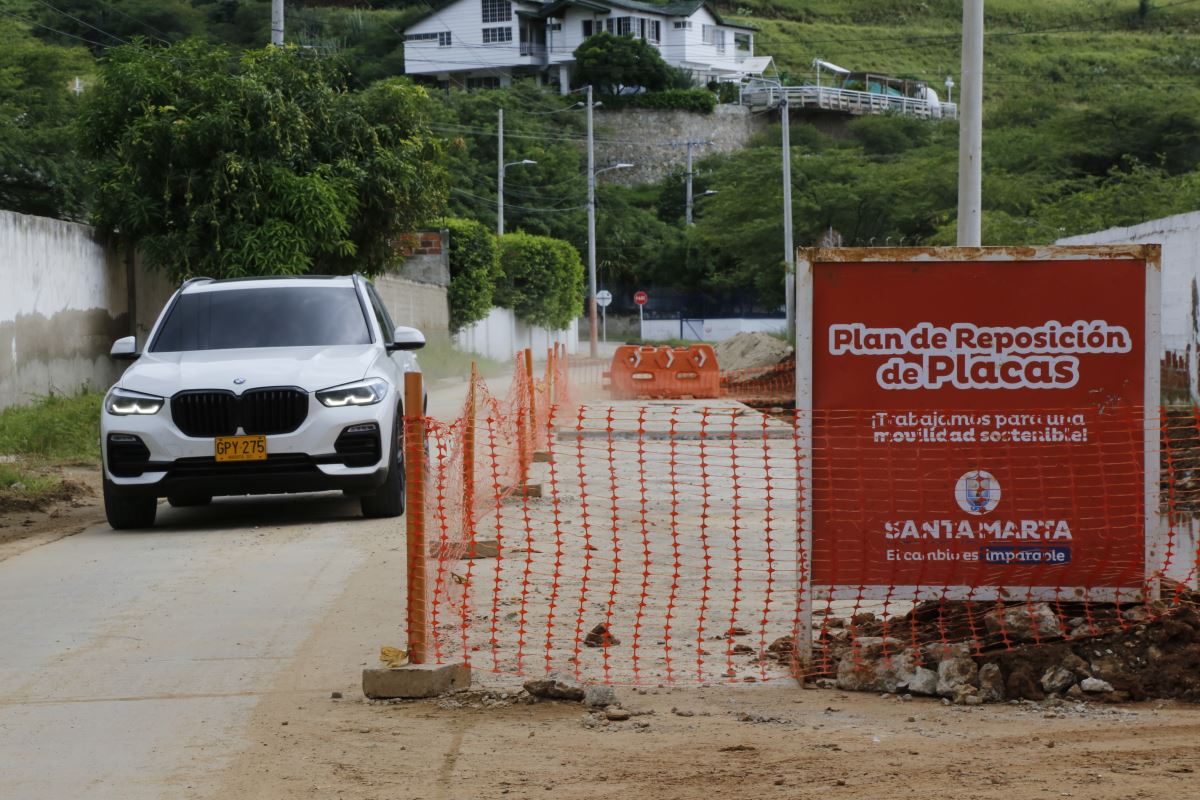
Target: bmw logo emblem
x,y
239,381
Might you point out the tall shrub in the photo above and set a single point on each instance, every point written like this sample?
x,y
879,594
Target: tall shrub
x,y
474,270
542,279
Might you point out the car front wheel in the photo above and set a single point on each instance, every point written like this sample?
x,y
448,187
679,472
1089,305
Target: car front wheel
x,y
388,499
126,513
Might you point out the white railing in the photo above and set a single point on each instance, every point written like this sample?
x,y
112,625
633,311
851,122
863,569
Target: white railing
x,y
826,98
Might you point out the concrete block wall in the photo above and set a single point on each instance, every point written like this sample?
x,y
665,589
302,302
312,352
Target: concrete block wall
x,y
416,291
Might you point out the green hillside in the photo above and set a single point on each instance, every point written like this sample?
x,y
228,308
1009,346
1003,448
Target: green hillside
x,y
1091,119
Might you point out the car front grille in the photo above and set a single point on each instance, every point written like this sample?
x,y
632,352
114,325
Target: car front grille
x,y
271,411
258,412
128,455
283,464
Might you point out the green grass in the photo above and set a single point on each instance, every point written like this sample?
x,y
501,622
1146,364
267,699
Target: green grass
x,y
54,429
443,360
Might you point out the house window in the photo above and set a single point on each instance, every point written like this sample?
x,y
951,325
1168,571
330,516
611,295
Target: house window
x,y
706,33
683,25
587,28
655,31
743,41
483,83
641,24
711,34
443,39
554,26
497,10
421,37
495,35
624,26
608,24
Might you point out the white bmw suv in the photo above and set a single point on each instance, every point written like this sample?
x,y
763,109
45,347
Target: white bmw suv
x,y
260,386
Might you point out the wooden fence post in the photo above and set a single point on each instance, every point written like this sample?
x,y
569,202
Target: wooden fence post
x,y
414,462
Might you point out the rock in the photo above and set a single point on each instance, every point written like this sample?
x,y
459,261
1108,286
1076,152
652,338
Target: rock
x,y
1075,693
991,684
1021,684
1095,685
616,714
923,681
1028,622
599,696
879,666
1136,614
967,695
554,687
862,619
1056,679
600,636
954,673
336,695
938,652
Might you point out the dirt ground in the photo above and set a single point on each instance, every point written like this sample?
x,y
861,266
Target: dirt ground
x,y
79,508
741,742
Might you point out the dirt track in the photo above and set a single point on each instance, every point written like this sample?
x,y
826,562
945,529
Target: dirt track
x,y
814,744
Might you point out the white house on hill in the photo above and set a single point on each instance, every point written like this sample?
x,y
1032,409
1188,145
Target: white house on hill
x,y
487,43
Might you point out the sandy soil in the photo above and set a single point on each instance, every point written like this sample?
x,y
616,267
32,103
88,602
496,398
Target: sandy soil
x,y
23,529
754,742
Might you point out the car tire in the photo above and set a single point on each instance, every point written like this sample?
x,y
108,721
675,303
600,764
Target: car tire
x,y
126,513
388,499
189,500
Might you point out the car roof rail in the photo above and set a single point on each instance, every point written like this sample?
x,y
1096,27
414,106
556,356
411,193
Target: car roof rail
x,y
197,279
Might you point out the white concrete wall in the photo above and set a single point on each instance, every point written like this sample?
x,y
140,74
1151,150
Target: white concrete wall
x,y
500,335
64,301
1179,236
709,330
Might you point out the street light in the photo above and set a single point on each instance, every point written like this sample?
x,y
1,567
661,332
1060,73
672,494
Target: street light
x,y
593,333
789,250
691,201
500,190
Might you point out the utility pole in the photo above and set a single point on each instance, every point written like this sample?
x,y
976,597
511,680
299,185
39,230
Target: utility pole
x,y
594,345
789,249
277,23
500,173
690,196
970,127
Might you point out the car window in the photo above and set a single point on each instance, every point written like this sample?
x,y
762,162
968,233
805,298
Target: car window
x,y
381,314
293,316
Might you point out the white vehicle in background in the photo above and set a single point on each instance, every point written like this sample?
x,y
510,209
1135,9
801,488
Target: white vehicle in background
x,y
260,386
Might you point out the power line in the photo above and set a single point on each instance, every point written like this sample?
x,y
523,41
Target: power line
x,y
493,202
81,22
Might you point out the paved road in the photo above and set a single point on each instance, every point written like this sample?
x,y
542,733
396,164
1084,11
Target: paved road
x,y
130,662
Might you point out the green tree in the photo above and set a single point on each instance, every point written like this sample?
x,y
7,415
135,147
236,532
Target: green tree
x,y
542,279
40,172
611,63
257,164
474,270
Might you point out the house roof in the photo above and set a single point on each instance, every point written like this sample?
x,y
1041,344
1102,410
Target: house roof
x,y
679,8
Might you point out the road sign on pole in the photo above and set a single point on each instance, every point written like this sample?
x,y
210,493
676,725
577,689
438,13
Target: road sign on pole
x,y
641,298
603,298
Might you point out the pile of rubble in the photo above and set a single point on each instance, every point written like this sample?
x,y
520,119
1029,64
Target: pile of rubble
x,y
974,653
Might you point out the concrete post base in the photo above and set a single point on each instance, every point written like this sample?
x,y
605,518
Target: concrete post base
x,y
415,680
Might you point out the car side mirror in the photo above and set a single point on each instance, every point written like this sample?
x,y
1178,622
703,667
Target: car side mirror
x,y
405,338
124,349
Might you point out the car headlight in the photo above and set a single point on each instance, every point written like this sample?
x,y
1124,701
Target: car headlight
x,y
123,403
360,393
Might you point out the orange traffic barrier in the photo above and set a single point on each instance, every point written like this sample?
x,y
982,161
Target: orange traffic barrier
x,y
664,372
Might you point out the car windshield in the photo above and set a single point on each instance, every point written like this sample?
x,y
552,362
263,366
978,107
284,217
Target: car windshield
x,y
293,316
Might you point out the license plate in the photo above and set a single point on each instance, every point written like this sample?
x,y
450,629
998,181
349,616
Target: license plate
x,y
241,448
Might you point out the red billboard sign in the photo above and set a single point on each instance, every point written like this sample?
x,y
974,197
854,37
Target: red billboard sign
x,y
978,419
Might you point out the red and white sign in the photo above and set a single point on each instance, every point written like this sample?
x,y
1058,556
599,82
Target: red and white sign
x,y
641,298
977,421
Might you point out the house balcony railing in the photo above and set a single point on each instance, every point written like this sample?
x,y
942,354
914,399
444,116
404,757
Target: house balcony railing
x,y
531,49
846,101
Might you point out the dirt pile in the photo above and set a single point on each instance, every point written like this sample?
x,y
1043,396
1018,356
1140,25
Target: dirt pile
x,y
748,351
974,653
